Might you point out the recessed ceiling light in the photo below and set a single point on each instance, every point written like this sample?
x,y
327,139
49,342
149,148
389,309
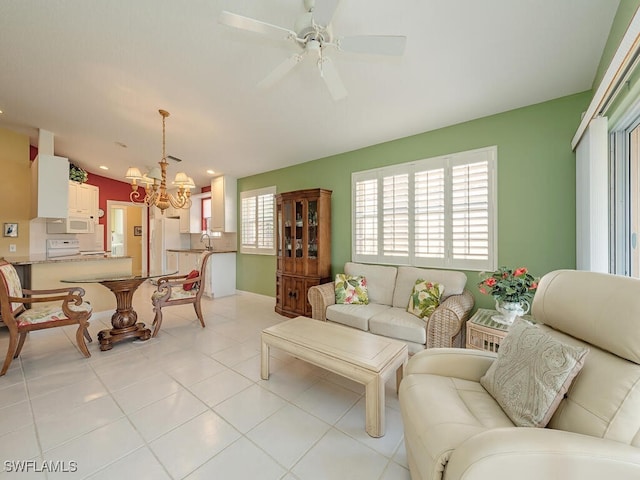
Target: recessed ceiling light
x,y
1,112
120,144
103,167
210,172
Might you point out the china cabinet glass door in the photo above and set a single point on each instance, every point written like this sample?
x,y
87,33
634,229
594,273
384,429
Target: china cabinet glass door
x,y
312,229
299,229
288,229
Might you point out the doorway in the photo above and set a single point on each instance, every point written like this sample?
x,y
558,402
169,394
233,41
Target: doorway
x,y
126,233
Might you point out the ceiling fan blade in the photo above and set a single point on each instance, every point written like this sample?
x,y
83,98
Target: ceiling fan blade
x,y
374,44
253,25
281,70
329,73
323,11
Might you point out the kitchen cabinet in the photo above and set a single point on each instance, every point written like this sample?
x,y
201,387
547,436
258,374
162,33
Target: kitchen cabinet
x,y
94,202
83,200
221,275
172,261
188,261
303,255
185,220
223,204
49,187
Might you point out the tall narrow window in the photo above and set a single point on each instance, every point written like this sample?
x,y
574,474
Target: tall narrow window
x,y
438,212
257,232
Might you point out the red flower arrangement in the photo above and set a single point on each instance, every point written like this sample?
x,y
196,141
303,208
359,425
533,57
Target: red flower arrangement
x,y
509,285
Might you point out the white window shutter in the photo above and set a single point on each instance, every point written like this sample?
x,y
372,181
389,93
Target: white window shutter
x,y
439,212
429,214
265,221
257,210
470,211
366,218
248,221
395,216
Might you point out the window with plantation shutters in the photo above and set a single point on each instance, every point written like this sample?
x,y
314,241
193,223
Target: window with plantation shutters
x,y
439,212
366,217
429,227
395,215
470,211
257,217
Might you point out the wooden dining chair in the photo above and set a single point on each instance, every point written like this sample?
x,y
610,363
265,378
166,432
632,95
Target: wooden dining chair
x,y
69,309
180,290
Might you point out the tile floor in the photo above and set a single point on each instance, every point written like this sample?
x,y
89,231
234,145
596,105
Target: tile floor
x,y
188,404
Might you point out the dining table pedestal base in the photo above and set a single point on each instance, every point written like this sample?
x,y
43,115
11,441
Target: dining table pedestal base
x,y
108,337
125,319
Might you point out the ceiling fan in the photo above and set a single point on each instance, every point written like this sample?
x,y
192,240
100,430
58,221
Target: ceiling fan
x,y
312,32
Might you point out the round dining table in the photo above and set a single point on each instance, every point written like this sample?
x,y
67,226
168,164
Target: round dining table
x,y
125,319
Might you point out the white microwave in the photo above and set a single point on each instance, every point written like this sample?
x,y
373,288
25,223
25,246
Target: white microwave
x,y
71,225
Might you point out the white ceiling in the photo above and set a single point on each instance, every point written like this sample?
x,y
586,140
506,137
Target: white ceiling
x,y
96,72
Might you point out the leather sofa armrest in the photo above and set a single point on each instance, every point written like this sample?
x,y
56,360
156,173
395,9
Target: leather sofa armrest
x,y
320,297
445,326
451,362
535,453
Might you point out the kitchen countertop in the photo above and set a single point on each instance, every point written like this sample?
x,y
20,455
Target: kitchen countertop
x,y
42,258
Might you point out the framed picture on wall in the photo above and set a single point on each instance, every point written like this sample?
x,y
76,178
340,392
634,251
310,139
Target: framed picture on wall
x,y
137,230
10,230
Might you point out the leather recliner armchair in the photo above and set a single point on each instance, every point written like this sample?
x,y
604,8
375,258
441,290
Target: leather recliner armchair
x,y
454,428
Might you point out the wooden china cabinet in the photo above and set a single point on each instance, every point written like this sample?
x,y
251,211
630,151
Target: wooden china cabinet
x,y
303,248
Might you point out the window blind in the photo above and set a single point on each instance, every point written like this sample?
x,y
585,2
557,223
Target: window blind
x,y
470,211
257,234
437,212
395,215
429,214
249,226
264,221
366,217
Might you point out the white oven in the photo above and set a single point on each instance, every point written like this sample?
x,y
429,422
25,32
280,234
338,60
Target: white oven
x,y
63,248
71,225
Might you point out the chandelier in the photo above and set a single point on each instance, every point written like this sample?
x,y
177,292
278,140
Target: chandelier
x,y
155,182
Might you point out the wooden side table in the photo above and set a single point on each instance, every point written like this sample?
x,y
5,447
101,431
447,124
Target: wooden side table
x,y
483,333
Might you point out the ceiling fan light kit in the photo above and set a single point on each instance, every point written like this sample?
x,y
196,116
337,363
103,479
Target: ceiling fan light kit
x,y
313,34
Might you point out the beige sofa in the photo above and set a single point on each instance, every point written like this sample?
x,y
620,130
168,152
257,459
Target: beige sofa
x,y
454,429
389,289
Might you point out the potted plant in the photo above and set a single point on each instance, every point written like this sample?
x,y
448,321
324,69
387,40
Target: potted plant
x,y
513,290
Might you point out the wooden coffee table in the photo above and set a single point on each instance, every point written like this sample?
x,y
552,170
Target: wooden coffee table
x,y
359,356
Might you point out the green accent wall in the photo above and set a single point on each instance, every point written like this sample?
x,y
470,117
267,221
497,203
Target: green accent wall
x,y
536,187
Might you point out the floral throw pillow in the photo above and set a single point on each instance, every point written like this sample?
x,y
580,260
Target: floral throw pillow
x,y
425,298
351,289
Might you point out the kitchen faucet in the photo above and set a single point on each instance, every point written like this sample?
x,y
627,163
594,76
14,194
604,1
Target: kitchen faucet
x,y
208,237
